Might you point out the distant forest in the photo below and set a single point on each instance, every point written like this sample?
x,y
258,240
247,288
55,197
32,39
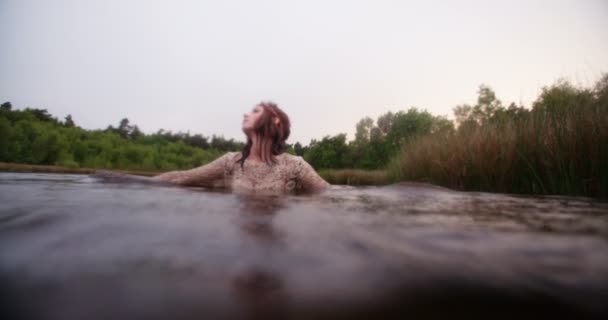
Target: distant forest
x,y
34,136
558,145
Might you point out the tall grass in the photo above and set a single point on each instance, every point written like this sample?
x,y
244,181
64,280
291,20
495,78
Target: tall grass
x,y
559,147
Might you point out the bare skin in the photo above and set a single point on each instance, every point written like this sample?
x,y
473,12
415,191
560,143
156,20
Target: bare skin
x,y
249,119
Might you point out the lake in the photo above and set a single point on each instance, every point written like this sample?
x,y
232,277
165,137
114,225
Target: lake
x,y
77,247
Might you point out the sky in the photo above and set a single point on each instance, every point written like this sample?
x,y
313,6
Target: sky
x,y
198,65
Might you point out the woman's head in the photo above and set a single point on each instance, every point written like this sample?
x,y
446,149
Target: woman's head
x,y
270,127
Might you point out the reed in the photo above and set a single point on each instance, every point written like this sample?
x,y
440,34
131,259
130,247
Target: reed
x,y
550,151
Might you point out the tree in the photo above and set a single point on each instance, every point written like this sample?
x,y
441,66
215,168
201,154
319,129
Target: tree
x,y
407,125
298,149
385,122
375,135
124,129
5,139
485,109
40,114
197,140
442,125
223,144
562,98
363,127
462,113
7,106
601,91
135,133
69,122
329,153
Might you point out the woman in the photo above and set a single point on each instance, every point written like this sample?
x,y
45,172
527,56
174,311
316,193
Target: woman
x,y
262,165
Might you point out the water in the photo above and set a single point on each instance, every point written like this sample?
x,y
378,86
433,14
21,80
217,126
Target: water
x,y
74,247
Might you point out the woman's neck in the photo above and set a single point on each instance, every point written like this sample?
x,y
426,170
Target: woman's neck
x,y
256,152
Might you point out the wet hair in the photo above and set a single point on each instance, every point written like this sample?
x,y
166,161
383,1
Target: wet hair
x,y
272,130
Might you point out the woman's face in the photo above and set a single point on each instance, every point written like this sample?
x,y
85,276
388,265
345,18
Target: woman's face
x,y
250,118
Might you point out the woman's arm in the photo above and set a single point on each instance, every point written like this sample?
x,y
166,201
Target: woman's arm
x,y
308,178
118,177
208,175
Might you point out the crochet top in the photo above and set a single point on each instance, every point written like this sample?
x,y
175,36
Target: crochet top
x,y
289,174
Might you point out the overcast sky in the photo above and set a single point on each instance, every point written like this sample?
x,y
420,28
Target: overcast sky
x,y
199,65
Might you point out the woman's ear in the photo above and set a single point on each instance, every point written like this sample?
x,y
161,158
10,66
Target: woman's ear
x,y
277,120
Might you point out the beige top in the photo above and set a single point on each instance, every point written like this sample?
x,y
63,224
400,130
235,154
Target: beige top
x,y
290,173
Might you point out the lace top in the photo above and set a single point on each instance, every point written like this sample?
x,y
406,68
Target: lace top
x,y
290,173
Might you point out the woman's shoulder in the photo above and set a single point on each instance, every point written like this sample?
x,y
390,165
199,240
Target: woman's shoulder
x,y
290,158
230,158
307,177
296,163
232,155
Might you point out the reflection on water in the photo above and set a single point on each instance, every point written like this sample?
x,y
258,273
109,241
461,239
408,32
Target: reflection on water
x,y
72,247
258,288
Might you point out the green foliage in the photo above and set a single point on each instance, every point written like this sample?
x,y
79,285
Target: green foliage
x,y
33,136
407,126
69,122
299,150
363,131
374,144
5,137
41,114
329,153
220,143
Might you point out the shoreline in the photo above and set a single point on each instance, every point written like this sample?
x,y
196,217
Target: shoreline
x,y
37,168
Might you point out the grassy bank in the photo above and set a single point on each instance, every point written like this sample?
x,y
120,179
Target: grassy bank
x,y
18,167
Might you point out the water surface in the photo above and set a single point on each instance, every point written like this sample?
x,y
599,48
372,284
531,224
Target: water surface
x,y
75,247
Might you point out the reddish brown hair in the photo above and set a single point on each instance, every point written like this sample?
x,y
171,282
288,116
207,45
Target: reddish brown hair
x,y
272,130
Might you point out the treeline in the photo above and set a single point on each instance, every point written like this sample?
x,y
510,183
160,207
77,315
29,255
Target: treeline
x,y
558,146
34,136
375,143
